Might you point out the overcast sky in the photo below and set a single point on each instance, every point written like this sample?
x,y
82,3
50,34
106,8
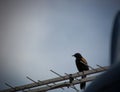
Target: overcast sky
x,y
39,35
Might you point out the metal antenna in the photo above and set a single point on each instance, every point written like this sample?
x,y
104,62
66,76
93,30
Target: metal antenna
x,y
58,82
57,74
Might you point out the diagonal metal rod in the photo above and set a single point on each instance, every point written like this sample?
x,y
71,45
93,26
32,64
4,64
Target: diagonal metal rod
x,y
9,86
31,80
57,74
101,67
75,88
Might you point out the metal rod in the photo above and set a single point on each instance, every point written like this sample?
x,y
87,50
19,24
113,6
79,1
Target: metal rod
x,y
31,80
9,86
57,74
75,88
49,85
101,67
43,82
56,84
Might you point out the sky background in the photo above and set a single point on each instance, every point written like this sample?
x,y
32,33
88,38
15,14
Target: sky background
x,y
39,35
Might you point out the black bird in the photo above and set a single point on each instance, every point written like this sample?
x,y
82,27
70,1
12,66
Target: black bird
x,y
81,64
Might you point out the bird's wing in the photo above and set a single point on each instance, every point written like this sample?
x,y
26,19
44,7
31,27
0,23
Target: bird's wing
x,y
83,60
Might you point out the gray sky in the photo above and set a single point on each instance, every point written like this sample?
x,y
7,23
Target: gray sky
x,y
39,35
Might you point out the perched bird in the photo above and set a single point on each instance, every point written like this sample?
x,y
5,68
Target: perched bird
x,y
81,64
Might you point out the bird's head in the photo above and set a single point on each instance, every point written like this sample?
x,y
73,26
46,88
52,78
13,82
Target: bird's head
x,y
77,55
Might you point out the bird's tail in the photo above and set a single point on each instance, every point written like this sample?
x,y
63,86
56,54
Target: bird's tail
x,y
83,84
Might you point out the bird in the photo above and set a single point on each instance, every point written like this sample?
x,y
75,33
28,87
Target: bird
x,y
81,65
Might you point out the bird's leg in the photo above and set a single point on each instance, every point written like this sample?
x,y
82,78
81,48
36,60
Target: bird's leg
x,y
83,75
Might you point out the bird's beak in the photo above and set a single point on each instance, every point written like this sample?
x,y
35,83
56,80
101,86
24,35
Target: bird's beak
x,y
73,55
